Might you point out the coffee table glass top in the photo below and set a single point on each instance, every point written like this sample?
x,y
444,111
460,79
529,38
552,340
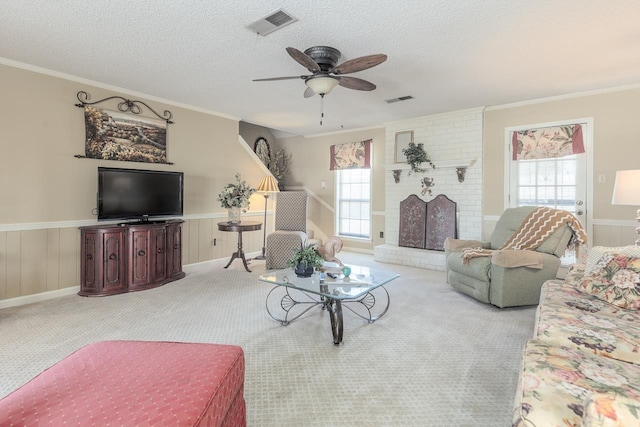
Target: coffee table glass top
x,y
360,281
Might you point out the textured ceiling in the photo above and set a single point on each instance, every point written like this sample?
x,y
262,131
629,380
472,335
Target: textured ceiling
x,y
447,54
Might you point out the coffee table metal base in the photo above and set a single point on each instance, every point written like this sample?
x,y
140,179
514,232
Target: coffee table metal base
x,y
285,304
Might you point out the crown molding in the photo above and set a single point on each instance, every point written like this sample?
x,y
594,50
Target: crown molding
x,y
564,97
65,76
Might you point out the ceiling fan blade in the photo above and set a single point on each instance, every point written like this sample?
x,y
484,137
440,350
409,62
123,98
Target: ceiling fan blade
x,y
355,83
359,64
309,93
280,78
303,59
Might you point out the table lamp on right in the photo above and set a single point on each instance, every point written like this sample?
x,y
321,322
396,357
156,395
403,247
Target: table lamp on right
x,y
626,191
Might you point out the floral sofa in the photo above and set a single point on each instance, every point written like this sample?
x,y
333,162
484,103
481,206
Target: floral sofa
x,y
583,366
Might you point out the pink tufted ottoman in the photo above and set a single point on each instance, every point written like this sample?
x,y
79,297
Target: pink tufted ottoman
x,y
135,383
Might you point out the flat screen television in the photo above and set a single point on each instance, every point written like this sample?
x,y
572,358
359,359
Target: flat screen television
x,y
133,194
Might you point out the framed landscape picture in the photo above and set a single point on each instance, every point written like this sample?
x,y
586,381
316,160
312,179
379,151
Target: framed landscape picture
x,y
115,135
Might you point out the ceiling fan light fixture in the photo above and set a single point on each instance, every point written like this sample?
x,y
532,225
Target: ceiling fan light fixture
x,y
322,85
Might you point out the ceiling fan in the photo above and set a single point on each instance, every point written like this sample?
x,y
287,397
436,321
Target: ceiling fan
x,y
325,75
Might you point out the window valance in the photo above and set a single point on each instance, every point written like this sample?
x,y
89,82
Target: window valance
x,y
352,155
547,142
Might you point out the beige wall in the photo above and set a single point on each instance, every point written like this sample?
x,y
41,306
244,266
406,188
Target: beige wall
x,y
310,165
251,133
43,130
615,147
46,192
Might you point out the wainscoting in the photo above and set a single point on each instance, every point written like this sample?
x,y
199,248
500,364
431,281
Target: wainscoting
x,y
614,233
606,232
39,258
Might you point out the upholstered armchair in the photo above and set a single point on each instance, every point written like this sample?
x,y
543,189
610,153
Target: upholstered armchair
x,y
511,277
290,228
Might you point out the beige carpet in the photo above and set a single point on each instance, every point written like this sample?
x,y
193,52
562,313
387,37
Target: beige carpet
x,y
438,358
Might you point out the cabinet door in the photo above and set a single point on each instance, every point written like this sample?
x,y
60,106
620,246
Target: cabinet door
x,y
113,259
174,249
90,263
140,248
159,256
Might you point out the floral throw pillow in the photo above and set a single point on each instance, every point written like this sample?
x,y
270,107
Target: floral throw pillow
x,y
615,278
596,252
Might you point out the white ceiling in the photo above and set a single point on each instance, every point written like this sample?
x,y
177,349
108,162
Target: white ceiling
x,y
447,54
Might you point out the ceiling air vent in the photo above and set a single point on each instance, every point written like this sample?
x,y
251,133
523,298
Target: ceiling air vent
x,y
402,98
272,22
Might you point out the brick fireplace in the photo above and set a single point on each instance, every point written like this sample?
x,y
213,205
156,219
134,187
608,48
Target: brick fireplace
x,y
452,141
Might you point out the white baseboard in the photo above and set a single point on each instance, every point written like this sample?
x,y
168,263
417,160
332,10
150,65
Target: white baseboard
x,y
221,262
43,296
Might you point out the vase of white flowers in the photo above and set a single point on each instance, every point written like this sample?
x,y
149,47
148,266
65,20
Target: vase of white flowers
x,y
234,215
235,198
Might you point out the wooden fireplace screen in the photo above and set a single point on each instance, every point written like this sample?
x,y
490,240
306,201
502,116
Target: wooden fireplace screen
x,y
426,225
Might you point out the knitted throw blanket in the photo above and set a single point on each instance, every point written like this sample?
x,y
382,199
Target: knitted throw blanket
x,y
541,223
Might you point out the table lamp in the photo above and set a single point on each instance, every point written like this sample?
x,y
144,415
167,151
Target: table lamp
x,y
267,185
626,191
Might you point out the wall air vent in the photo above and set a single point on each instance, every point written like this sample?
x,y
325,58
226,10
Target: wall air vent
x,y
402,98
272,22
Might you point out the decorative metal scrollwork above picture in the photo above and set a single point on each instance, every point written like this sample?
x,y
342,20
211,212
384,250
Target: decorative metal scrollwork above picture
x,y
124,135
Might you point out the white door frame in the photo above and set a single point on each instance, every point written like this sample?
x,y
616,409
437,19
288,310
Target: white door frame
x,y
588,147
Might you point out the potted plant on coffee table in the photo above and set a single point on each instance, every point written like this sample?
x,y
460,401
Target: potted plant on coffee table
x,y
305,260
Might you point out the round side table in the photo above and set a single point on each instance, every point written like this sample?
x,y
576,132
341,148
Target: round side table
x,y
239,227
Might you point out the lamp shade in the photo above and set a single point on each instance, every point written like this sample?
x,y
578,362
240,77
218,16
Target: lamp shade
x,y
268,184
322,85
626,190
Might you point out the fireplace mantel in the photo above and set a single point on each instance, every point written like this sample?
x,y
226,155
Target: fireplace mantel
x,y
459,165
445,164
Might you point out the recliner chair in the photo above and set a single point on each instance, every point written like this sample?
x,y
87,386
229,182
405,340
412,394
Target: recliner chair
x,y
290,228
506,286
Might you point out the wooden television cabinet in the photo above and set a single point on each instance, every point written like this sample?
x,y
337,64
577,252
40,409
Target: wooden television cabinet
x,y
129,257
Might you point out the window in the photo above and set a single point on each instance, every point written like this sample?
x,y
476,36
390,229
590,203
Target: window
x,y
547,182
353,213
554,183
557,182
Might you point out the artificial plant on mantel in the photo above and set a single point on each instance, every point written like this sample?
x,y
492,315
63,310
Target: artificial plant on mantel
x,y
416,156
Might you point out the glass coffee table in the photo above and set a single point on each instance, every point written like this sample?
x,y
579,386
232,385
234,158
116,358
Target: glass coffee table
x,y
363,293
